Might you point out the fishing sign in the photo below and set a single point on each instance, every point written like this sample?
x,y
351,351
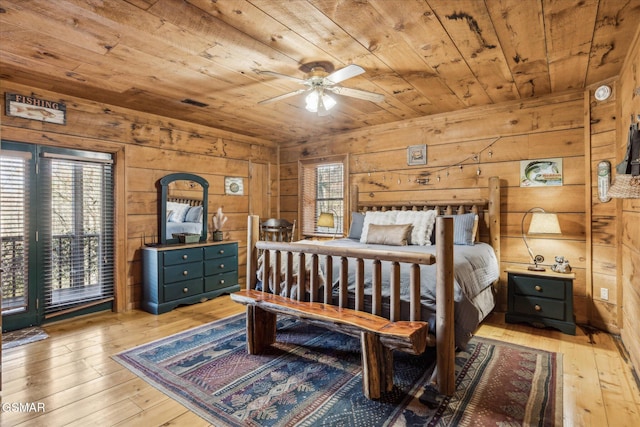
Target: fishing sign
x,y
29,107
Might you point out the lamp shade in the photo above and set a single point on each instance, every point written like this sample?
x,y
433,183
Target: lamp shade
x,y
544,223
326,220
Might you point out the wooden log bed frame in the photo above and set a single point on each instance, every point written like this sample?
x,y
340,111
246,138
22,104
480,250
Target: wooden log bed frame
x,y
378,335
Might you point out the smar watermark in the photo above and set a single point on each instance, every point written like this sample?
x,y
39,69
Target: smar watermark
x,y
23,407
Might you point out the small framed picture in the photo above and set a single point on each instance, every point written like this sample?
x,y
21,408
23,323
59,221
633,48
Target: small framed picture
x,y
233,186
541,172
417,155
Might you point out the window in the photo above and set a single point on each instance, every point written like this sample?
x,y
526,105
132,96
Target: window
x,y
322,190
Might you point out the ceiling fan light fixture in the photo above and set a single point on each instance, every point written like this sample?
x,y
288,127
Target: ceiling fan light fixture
x,y
317,100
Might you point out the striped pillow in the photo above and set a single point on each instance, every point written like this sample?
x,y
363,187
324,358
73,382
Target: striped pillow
x,y
464,229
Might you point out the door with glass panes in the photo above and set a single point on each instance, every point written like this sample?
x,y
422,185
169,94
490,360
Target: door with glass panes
x,y
56,233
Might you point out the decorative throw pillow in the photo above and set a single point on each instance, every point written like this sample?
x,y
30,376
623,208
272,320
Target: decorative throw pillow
x,y
179,211
357,221
194,214
463,229
394,235
423,223
379,218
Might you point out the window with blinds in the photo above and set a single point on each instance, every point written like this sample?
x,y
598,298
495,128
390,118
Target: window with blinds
x,y
322,191
77,231
14,226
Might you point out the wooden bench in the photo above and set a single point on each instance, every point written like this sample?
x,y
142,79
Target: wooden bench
x,y
378,336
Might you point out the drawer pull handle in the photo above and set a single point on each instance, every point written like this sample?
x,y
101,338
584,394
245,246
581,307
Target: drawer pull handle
x,y
184,273
185,290
221,251
538,288
538,308
221,265
222,282
185,256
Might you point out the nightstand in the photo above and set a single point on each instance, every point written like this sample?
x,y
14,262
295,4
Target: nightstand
x,y
541,298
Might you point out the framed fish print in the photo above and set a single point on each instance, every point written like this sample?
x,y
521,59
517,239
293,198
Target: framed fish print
x,y
541,173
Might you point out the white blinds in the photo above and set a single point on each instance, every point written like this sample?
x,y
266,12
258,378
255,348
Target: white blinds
x,y
77,232
322,190
14,226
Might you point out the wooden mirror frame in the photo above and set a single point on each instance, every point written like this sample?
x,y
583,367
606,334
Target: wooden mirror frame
x,y
164,193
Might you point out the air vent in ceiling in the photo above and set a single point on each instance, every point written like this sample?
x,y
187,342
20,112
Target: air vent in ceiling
x,y
196,103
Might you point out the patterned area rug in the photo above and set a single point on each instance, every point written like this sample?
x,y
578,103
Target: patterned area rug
x,y
22,336
312,377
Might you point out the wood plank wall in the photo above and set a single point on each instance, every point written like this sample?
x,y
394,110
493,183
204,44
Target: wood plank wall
x,y
629,210
151,147
602,240
486,142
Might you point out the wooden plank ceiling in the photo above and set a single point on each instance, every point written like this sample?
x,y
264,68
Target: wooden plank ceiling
x,y
424,56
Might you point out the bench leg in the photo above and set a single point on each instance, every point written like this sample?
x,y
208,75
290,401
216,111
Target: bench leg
x,y
377,366
261,329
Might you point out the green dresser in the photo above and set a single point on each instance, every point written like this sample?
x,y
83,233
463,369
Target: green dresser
x,y
541,298
186,274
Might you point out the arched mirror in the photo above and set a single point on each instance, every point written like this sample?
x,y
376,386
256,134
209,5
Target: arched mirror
x,y
183,208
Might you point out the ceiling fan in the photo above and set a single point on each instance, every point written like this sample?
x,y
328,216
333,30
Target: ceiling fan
x,y
320,80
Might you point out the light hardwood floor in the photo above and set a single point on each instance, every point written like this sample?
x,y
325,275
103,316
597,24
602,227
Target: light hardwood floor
x,y
72,374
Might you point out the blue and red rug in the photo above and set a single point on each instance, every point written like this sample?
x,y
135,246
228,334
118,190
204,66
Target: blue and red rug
x,y
312,377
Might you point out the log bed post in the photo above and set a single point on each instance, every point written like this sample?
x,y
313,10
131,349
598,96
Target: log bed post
x,y
253,235
445,340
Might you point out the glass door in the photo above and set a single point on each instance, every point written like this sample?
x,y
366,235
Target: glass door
x,y
56,233
20,302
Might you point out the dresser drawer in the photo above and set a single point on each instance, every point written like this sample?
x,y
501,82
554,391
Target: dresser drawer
x,y
224,250
220,265
182,272
180,256
180,290
542,307
539,287
220,281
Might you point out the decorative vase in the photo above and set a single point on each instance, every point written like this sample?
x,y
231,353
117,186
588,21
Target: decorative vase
x,y
217,236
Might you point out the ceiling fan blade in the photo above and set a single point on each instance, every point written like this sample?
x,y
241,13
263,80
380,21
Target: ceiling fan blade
x,y
343,74
284,96
357,93
274,74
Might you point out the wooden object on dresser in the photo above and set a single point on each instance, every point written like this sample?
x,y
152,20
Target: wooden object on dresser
x,y
186,274
541,298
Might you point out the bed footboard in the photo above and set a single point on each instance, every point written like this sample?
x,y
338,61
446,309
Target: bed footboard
x,y
376,352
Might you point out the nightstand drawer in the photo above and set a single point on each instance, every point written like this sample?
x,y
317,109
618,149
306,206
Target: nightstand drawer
x,y
180,256
179,273
539,287
542,307
179,290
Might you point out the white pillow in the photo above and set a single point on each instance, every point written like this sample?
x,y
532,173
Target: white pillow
x,y
423,223
179,211
194,214
379,218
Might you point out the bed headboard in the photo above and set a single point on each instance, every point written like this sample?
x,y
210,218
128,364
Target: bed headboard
x,y
487,209
185,200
